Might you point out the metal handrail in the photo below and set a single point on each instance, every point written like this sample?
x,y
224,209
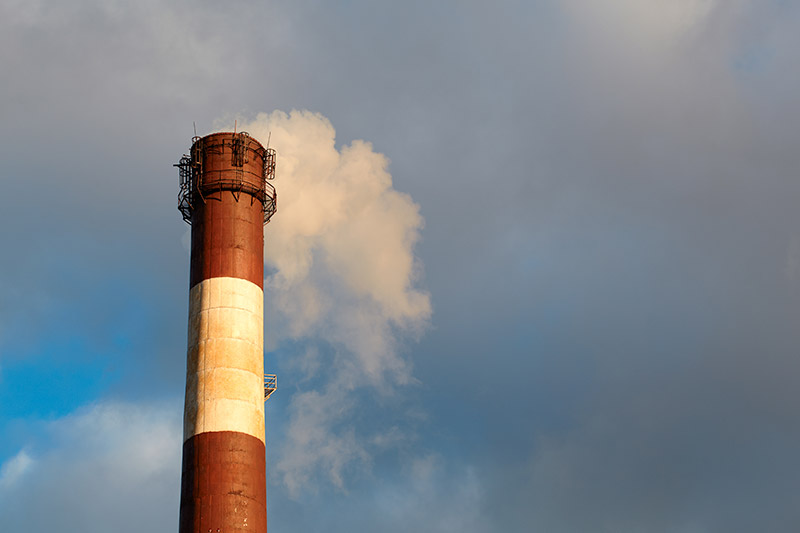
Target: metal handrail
x,y
194,180
270,385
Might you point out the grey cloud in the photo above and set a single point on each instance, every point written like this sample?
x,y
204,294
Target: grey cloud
x,y
108,466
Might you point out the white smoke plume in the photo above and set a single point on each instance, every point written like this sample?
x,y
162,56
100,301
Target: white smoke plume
x,y
341,272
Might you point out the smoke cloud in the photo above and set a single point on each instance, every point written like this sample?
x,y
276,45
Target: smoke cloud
x,y
341,274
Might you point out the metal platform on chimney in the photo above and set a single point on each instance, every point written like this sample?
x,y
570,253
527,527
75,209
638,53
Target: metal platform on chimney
x,y
270,385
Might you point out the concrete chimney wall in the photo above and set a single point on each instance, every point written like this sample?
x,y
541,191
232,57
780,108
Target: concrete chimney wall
x,y
223,484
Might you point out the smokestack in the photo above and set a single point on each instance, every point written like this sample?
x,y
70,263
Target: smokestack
x,y
226,197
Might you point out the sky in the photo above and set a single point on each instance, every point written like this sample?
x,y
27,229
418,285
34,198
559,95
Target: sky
x,y
535,266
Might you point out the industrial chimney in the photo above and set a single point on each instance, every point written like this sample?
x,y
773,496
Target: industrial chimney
x,y
226,196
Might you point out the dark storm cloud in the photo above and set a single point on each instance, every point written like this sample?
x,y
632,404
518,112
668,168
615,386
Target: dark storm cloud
x,y
670,258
